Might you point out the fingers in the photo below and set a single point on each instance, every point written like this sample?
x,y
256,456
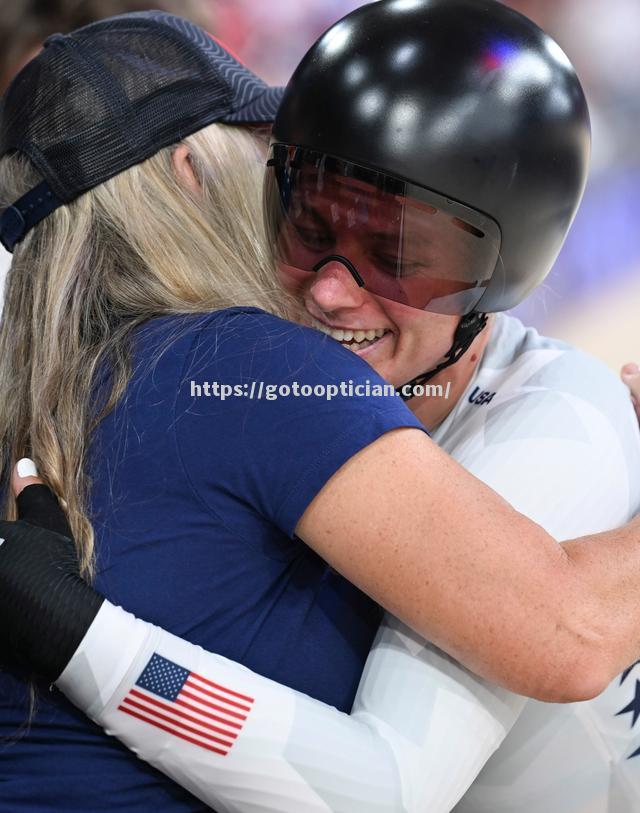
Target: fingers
x,y
630,374
24,474
37,504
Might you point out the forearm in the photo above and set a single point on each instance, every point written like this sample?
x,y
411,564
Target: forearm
x,y
605,609
416,716
454,561
584,628
565,632
453,719
231,737
568,490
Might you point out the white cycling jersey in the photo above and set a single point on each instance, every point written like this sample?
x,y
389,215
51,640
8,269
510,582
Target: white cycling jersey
x,y
548,428
553,431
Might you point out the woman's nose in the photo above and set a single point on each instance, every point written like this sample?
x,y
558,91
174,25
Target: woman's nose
x,y
335,287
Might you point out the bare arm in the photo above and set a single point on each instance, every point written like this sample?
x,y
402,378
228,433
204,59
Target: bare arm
x,y
435,546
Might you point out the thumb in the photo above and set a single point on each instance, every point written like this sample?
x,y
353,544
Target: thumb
x,y
24,474
37,504
630,374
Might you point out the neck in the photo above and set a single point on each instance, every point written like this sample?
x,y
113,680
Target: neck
x,y
447,387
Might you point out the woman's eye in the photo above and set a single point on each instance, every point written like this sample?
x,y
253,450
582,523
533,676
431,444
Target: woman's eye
x,y
390,264
386,263
314,239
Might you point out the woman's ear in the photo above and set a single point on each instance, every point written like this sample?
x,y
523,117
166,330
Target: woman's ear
x,y
183,169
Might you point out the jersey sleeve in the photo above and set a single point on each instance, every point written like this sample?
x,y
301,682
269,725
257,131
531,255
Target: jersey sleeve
x,y
289,406
418,733
561,446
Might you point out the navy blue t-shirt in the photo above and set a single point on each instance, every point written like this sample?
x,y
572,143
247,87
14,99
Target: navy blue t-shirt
x,y
194,501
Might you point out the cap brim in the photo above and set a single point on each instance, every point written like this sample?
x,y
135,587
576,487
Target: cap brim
x,y
260,109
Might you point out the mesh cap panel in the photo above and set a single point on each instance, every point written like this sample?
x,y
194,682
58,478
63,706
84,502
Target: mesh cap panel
x,y
102,100
107,96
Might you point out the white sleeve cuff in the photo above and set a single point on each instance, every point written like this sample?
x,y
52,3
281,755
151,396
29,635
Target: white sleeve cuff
x,y
114,643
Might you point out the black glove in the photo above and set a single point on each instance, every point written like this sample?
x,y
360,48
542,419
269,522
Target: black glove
x,y
38,505
45,606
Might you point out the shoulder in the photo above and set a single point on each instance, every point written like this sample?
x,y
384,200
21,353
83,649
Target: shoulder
x,y
250,343
261,413
520,361
551,429
558,399
256,367
237,323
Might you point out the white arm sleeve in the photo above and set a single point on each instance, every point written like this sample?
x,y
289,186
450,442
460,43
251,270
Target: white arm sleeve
x,y
421,727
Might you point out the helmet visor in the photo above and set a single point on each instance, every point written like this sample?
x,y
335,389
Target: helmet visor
x,y
399,241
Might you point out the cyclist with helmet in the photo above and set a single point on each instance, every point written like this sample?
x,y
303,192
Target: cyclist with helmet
x,y
422,726
457,208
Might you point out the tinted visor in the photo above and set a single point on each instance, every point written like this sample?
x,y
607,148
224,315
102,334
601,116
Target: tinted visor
x,y
398,240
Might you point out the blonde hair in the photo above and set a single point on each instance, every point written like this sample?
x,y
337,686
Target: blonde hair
x,y
137,246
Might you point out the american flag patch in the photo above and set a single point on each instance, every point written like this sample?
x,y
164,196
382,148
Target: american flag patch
x,y
187,705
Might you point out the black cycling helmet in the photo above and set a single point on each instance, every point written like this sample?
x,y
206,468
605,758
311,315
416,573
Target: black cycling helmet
x,y
464,109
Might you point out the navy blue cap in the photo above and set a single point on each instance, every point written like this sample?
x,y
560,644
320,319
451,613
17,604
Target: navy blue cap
x,y
110,95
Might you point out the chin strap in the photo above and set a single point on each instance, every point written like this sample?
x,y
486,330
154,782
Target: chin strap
x,y
468,328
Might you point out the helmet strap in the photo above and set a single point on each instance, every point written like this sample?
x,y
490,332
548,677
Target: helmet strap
x,y
468,328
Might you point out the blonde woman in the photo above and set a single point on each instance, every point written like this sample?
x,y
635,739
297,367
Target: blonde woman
x,y
130,256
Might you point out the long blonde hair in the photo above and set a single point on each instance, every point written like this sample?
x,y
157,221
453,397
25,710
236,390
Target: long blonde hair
x,y
136,246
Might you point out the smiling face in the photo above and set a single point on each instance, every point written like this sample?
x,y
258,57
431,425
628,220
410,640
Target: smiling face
x,y
403,255
385,267
398,341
